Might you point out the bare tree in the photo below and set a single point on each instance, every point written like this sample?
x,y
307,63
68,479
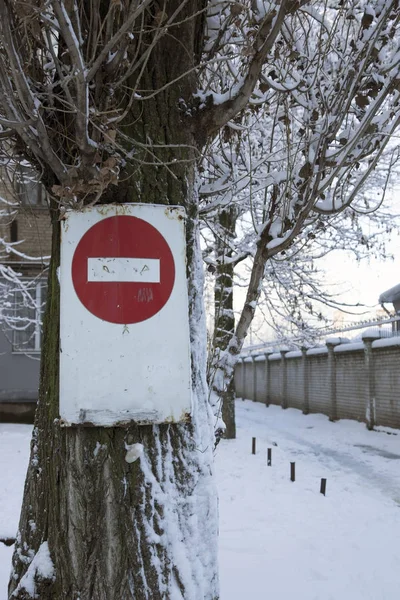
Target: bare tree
x,y
122,102
297,159
93,94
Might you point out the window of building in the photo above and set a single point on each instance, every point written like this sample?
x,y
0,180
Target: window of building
x,y
29,190
14,231
29,304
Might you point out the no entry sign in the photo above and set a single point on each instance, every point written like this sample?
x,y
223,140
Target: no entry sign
x,y
123,270
124,332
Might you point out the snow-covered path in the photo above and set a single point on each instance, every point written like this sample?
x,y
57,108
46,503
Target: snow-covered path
x,y
346,446
282,540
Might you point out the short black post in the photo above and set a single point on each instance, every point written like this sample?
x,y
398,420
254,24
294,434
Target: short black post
x,y
253,446
292,471
323,486
269,457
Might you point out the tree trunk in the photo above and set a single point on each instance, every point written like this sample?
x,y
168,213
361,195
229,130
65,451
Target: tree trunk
x,y
228,410
224,324
94,526
142,530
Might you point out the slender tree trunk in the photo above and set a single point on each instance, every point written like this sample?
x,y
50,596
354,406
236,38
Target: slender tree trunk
x,y
228,410
224,325
115,530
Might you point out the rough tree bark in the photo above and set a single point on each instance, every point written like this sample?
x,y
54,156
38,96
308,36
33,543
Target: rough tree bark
x,y
116,102
224,322
113,529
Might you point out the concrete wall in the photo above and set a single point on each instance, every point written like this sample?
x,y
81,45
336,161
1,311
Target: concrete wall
x,y
318,387
295,381
19,382
19,374
358,381
387,385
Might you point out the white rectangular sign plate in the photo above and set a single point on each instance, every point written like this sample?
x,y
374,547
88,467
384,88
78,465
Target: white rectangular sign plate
x,y
146,270
124,328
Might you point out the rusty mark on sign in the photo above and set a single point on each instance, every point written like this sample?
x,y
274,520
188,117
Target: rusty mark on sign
x,y
145,295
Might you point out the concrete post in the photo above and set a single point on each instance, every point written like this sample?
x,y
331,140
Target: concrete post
x,y
243,379
370,409
306,402
267,372
332,379
284,401
253,358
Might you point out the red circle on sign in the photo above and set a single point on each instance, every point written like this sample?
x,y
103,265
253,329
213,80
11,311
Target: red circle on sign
x,y
120,287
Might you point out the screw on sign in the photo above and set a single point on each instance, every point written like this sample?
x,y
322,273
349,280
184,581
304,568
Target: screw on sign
x,y
123,270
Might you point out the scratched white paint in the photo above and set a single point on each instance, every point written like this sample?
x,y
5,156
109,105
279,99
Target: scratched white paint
x,y
112,373
144,270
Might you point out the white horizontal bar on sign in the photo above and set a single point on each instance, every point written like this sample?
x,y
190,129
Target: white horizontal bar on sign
x,y
119,269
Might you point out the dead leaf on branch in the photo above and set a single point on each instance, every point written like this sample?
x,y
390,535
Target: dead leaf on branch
x,y
366,20
248,51
160,17
80,188
306,171
362,101
236,9
111,135
111,162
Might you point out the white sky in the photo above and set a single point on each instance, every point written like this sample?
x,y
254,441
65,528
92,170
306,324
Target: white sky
x,y
364,281
354,282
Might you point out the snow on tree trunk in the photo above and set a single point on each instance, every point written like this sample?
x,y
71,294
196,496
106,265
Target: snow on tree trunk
x,y
224,323
119,102
115,528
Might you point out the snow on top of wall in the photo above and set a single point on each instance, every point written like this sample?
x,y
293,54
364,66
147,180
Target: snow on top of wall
x,y
385,343
337,340
318,350
349,347
294,354
376,332
275,356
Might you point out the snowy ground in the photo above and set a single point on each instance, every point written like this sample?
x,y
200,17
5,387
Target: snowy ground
x,y
282,540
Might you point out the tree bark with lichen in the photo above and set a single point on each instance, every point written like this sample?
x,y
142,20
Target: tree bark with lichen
x,y
113,528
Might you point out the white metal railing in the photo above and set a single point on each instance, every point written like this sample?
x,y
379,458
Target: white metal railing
x,y
298,341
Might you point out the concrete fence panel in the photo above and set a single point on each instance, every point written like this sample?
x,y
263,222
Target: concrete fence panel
x,y
350,385
248,378
260,379
239,388
295,381
275,374
387,385
359,380
319,391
